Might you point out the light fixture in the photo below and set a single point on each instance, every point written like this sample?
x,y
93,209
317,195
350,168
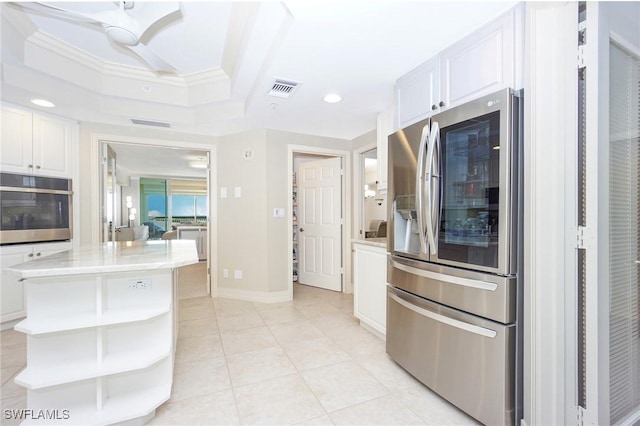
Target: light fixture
x,y
332,98
43,103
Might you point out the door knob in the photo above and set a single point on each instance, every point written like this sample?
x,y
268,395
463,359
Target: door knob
x,y
301,229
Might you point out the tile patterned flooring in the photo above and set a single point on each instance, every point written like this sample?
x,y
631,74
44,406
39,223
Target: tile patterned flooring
x,y
304,362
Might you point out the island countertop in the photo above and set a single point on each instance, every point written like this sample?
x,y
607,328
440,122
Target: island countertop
x,y
120,256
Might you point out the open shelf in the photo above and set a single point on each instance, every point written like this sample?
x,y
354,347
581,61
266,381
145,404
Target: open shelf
x,y
118,409
74,371
80,320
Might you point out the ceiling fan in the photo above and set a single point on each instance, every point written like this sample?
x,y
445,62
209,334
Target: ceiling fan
x,y
120,25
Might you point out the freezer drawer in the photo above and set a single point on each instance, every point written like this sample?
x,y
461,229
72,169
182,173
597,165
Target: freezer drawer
x,y
469,361
486,295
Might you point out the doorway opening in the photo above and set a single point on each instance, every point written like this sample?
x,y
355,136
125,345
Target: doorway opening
x,y
319,230
158,192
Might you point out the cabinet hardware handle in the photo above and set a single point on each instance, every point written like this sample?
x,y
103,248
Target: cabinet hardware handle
x,y
38,254
441,103
30,166
301,229
434,107
30,255
38,167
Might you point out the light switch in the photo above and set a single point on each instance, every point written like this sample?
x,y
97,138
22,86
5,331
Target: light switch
x,y
237,274
237,192
223,192
278,212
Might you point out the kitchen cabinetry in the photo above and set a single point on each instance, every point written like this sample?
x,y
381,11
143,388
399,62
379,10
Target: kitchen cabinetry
x,y
101,330
416,92
36,143
12,305
483,62
370,285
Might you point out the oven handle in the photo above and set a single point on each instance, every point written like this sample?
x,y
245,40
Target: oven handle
x,y
424,138
36,190
482,285
476,329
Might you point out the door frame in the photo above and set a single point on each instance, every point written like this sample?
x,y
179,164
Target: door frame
x,y
347,286
96,208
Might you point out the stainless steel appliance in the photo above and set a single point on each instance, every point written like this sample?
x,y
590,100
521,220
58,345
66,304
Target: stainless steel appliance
x,y
35,209
454,304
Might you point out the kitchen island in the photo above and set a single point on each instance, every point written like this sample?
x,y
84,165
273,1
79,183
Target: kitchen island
x,y
101,331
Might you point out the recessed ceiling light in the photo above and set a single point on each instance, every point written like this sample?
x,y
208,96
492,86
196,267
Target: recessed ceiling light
x,y
43,103
332,98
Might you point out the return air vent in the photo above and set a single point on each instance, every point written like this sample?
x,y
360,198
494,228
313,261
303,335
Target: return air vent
x,y
150,123
283,88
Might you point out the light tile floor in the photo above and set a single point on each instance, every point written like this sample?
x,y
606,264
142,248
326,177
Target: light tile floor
x,y
305,362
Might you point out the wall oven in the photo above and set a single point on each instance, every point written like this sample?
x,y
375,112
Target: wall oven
x,y
35,209
454,304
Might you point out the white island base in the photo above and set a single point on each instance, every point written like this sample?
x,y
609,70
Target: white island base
x,y
101,340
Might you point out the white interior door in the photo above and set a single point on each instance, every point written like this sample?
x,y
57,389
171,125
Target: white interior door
x,y
320,223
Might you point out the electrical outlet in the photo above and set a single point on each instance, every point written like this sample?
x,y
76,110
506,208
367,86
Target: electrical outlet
x,y
237,274
141,284
225,273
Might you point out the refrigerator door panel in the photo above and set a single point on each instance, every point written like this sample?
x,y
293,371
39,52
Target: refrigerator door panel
x,y
407,193
467,360
486,295
477,184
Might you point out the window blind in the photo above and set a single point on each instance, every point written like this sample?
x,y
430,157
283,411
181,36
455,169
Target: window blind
x,y
624,233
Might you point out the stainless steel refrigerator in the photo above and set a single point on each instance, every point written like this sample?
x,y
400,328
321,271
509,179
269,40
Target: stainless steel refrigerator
x,y
454,304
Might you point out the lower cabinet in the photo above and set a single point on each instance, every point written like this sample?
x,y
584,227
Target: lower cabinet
x,y
370,286
12,303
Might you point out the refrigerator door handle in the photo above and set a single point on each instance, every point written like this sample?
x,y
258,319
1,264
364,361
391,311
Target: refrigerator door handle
x,y
424,139
482,285
486,332
434,143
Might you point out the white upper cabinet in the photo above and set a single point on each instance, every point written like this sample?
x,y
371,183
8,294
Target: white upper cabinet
x,y
416,92
36,143
485,61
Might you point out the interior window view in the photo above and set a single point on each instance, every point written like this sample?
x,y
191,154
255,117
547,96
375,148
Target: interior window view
x,y
320,213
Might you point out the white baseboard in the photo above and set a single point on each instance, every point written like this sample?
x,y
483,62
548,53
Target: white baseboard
x,y
255,296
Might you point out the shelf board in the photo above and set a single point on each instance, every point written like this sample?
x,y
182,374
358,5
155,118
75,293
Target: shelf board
x,y
116,409
80,320
48,375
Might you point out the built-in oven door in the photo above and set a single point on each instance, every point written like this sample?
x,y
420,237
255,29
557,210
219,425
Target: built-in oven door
x,y
472,184
34,209
406,229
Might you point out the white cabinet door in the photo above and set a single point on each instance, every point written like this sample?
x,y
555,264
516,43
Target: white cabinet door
x,y
12,304
417,92
16,152
486,61
370,286
385,126
51,146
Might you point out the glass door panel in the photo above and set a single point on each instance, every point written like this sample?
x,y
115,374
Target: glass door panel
x,y
470,186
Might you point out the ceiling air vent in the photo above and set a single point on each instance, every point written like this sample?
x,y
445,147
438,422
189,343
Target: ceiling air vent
x,y
150,123
283,88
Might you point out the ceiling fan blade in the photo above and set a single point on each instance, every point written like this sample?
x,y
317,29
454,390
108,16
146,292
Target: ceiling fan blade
x,y
156,62
146,14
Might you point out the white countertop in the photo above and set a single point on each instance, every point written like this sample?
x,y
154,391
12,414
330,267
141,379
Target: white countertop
x,y
120,256
375,242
